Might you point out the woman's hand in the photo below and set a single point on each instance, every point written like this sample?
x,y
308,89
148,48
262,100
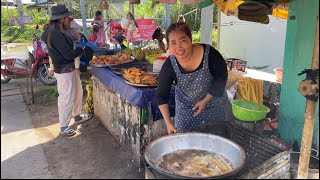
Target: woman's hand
x,y
171,129
201,105
50,74
164,108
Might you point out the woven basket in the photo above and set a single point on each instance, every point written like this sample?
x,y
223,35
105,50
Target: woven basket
x,y
134,1
104,5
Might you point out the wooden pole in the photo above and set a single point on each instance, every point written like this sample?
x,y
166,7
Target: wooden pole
x,y
131,9
308,127
168,17
27,68
9,18
219,25
19,5
69,3
31,83
48,9
84,17
105,23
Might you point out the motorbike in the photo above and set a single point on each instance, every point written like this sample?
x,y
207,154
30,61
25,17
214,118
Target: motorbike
x,y
40,64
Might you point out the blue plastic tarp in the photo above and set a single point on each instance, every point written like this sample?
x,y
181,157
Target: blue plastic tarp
x,y
139,97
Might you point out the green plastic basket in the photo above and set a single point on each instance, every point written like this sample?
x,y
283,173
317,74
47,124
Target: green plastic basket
x,y
248,111
152,57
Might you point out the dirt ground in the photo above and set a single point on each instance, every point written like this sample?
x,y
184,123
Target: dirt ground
x,y
91,153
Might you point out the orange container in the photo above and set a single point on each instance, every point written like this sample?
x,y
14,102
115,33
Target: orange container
x,y
278,72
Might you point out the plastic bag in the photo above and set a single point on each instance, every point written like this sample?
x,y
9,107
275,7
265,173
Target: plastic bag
x,y
133,28
124,23
231,8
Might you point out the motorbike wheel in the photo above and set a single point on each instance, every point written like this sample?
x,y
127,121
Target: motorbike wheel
x,y
43,76
4,74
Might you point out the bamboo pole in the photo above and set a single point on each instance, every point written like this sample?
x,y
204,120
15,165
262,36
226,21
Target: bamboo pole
x,y
308,127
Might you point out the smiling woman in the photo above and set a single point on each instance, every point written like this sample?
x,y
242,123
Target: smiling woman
x,y
200,74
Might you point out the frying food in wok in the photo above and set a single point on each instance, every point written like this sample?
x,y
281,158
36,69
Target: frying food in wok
x,y
195,163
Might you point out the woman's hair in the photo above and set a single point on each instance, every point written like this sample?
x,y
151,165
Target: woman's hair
x,y
95,28
51,25
179,26
98,13
156,33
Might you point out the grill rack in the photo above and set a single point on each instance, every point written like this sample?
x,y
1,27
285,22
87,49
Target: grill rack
x,y
258,148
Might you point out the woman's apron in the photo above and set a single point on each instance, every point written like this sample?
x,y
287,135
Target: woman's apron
x,y
192,88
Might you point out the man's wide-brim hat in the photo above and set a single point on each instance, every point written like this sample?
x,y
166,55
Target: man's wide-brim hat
x,y
59,11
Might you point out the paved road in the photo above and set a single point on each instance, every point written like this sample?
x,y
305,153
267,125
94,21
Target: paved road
x,y
22,154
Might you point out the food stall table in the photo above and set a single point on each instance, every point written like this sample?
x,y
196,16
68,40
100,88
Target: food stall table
x,y
129,113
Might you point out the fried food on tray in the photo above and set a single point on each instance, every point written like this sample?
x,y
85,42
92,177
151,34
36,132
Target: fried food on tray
x,y
138,76
111,59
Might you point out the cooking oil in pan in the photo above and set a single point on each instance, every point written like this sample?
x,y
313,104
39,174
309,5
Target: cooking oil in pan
x,y
195,163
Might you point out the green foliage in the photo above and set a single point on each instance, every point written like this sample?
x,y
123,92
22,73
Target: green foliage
x,y
192,18
214,38
9,34
88,106
4,15
149,9
196,37
38,17
91,7
15,34
46,96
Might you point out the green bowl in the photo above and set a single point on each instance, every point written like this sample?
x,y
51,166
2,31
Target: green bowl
x,y
152,57
248,111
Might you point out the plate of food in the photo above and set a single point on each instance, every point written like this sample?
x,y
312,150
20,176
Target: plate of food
x,y
117,71
96,63
140,85
140,78
110,60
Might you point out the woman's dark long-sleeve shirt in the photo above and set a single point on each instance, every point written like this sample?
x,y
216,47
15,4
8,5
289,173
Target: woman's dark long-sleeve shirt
x,y
217,67
61,50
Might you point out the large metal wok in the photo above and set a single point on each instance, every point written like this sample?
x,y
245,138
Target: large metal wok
x,y
199,141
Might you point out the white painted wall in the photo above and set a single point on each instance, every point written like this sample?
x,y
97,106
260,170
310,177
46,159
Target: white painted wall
x,y
24,2
206,25
259,44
